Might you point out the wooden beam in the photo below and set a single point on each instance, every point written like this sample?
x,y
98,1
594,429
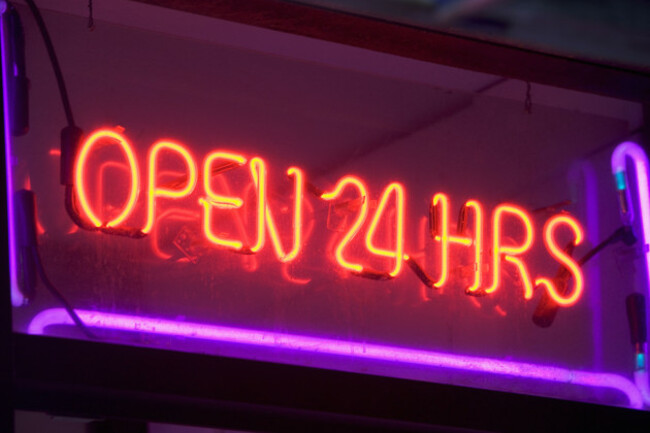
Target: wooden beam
x,y
424,44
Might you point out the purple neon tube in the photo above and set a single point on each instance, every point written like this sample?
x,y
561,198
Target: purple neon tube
x,y
17,298
315,345
633,151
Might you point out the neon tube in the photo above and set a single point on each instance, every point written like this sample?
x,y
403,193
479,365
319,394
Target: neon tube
x,y
178,215
508,252
80,188
398,254
442,200
99,190
219,201
478,243
297,218
284,341
354,229
637,155
641,167
258,172
564,259
154,191
17,298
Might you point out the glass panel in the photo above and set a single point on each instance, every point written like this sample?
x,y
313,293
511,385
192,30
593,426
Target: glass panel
x,y
244,193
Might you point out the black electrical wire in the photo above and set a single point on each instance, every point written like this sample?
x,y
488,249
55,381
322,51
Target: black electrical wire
x,y
53,60
598,248
373,274
53,290
70,137
316,191
547,309
623,233
72,212
71,209
27,240
419,272
71,134
91,20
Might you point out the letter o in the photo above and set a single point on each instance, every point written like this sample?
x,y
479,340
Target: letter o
x,y
86,148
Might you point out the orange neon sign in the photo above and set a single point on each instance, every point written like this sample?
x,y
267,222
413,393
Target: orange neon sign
x,y
442,201
510,253
219,201
562,257
156,191
299,187
104,137
398,254
485,250
354,228
477,241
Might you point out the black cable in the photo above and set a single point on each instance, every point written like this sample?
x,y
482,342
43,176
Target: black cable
x,y
91,20
72,212
547,308
595,250
129,232
17,81
419,272
623,233
373,274
53,290
70,135
28,243
53,59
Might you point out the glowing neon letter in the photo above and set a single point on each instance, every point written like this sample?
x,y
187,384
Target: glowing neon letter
x,y
563,258
398,253
297,218
478,243
111,137
258,172
154,191
508,252
354,229
442,201
213,199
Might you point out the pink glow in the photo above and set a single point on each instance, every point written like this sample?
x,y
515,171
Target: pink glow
x,y
17,298
315,345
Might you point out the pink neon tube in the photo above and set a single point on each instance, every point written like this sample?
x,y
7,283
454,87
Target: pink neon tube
x,y
17,298
400,355
640,160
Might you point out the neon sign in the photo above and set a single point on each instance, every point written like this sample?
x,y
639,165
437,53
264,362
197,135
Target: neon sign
x,y
323,346
217,203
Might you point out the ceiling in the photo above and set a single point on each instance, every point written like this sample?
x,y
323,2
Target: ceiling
x,y
596,47
611,31
614,32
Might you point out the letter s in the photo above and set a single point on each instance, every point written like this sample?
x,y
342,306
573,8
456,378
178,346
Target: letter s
x,y
563,258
